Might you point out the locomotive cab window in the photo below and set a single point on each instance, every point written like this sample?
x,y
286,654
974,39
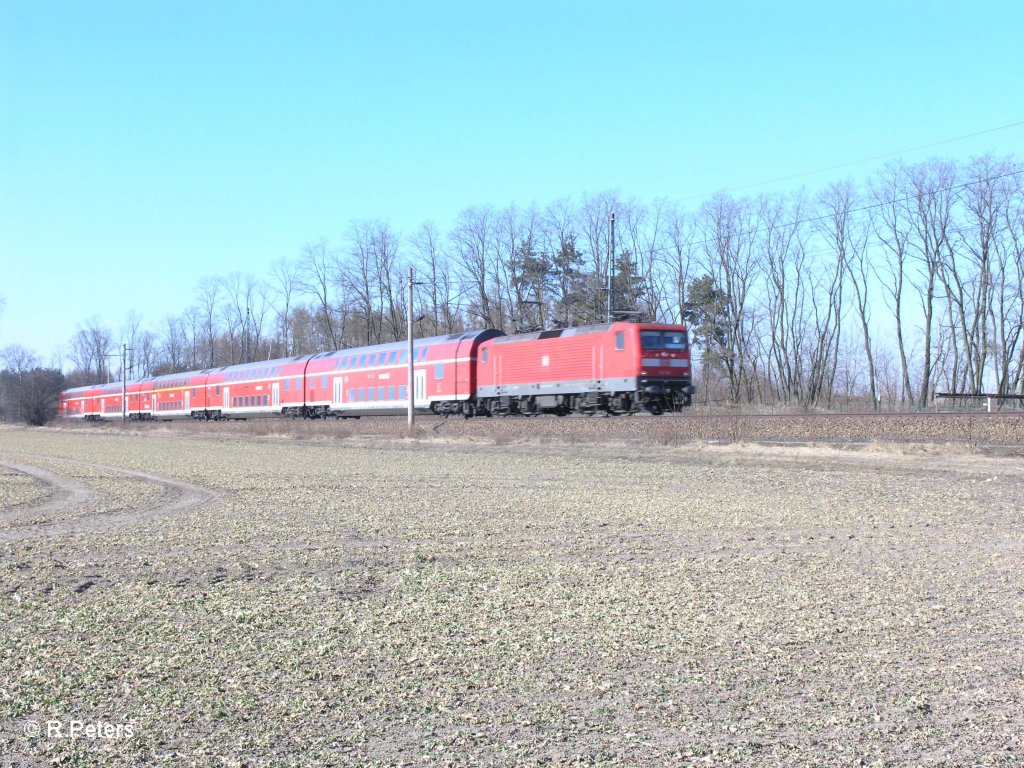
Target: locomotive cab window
x,y
651,340
485,355
674,340
620,340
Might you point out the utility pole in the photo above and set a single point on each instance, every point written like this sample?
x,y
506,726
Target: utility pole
x,y
125,349
410,389
611,263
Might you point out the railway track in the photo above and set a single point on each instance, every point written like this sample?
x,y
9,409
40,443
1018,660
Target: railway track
x,y
995,432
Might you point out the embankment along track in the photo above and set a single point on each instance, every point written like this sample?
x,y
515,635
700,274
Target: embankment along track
x,y
974,431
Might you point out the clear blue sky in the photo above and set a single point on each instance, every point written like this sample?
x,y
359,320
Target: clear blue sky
x,y
143,145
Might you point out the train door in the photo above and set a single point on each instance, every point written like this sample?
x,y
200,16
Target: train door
x,y
227,398
188,401
420,388
338,386
152,402
277,393
103,406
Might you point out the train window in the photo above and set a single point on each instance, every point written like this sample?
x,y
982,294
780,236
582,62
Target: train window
x,y
351,394
362,360
391,392
216,390
403,357
485,355
362,394
392,356
287,384
323,381
651,340
620,340
675,340
371,393
380,392
401,391
298,383
439,371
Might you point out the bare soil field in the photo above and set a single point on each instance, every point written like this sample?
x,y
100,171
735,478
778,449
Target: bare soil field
x,y
246,596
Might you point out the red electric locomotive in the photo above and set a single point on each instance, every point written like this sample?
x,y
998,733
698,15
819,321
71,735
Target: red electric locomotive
x,y
613,367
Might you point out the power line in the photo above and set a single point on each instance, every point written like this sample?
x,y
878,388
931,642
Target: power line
x,y
852,211
875,158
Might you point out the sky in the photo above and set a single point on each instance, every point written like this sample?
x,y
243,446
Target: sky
x,y
144,145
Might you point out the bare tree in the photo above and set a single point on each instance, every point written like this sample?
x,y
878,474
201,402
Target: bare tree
x,y
568,300
680,259
286,282
209,297
473,246
436,288
319,266
90,349
593,229
173,346
931,197
389,276
728,227
849,237
787,284
891,228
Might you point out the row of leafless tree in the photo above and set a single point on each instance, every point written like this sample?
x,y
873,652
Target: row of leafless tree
x,y
885,291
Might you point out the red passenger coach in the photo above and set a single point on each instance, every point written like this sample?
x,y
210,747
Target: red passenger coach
x,y
613,367
374,380
170,397
75,403
268,388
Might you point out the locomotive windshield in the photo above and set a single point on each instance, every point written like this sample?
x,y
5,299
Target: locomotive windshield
x,y
663,340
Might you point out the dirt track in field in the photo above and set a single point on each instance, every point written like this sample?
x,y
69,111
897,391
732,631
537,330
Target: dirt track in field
x,y
240,596
67,495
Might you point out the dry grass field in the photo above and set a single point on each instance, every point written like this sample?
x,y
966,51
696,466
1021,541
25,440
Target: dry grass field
x,y
245,597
